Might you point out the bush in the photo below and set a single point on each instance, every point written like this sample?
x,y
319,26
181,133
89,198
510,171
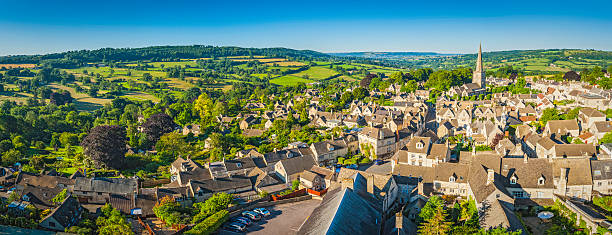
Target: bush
x,y
210,224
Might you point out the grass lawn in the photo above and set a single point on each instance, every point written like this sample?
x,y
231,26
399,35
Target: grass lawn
x,y
289,80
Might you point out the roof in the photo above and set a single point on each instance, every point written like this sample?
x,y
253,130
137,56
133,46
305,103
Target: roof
x,y
527,173
601,169
579,170
297,164
498,214
562,126
66,212
336,215
220,184
309,175
575,150
377,133
422,142
477,180
107,185
423,172
591,112
445,170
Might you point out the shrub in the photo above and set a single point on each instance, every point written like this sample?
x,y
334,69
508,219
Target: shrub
x,y
210,224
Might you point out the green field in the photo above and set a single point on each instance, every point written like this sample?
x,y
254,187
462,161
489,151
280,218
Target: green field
x,y
316,73
289,80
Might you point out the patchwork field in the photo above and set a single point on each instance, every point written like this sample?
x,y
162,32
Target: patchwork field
x,y
316,73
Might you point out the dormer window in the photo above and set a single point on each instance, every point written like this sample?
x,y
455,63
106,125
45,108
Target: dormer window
x,y
541,180
451,179
513,180
419,145
239,165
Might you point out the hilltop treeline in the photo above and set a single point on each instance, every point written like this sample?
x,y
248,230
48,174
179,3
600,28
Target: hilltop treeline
x,y
73,59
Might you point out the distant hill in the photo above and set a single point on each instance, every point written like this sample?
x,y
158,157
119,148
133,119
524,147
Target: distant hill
x,y
388,55
157,53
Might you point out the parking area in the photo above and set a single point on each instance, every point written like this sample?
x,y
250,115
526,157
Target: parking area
x,y
283,219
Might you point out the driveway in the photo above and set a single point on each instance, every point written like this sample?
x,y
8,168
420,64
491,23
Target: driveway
x,y
283,219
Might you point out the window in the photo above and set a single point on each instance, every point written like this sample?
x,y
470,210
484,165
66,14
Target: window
x,y
512,180
598,183
540,194
518,194
541,181
419,145
597,172
239,165
451,179
99,193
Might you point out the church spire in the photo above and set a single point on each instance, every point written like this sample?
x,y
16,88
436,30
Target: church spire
x,y
479,60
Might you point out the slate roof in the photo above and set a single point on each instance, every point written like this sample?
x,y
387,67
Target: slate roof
x,y
220,184
67,213
107,185
444,170
527,173
336,215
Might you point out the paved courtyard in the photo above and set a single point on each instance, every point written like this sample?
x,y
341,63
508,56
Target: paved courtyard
x,y
284,219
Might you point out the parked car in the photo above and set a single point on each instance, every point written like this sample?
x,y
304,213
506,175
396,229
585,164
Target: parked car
x,y
242,220
262,211
238,227
352,166
378,162
251,215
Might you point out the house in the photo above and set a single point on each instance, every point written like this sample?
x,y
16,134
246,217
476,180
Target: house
x,y
67,214
558,128
379,141
452,178
326,152
382,190
572,178
201,190
100,190
601,170
528,180
574,151
420,151
588,116
263,181
247,122
600,128
193,129
311,180
290,168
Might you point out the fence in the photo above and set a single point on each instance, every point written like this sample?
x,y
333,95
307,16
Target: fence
x,y
317,193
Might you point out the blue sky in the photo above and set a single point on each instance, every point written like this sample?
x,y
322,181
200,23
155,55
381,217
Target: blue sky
x,y
447,26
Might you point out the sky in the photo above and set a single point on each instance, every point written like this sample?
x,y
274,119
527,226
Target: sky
x,y
444,26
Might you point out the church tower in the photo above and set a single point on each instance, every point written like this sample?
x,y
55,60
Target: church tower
x,y
479,76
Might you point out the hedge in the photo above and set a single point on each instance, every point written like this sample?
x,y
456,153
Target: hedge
x,y
210,224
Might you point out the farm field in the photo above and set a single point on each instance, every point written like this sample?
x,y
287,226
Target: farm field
x,y
10,66
316,73
289,80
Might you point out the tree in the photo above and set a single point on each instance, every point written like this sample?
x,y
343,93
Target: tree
x,y
173,143
437,224
9,158
295,184
112,222
410,86
397,77
430,207
214,204
157,125
607,138
203,106
60,197
549,114
106,145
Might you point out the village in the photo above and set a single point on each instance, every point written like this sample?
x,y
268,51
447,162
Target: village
x,y
493,152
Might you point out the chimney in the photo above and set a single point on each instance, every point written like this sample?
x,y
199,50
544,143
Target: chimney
x,y
347,183
525,158
490,176
370,179
420,188
563,174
